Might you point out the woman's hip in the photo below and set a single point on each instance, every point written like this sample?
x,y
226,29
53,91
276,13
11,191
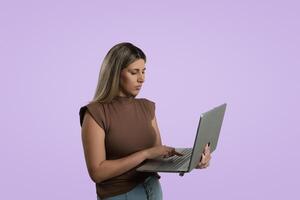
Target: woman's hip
x,y
150,189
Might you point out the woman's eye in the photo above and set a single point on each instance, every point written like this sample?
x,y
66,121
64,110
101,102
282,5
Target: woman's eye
x,y
133,73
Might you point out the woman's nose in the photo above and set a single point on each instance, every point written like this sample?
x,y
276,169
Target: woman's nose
x,y
141,78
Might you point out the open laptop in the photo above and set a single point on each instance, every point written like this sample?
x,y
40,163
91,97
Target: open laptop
x,y
208,131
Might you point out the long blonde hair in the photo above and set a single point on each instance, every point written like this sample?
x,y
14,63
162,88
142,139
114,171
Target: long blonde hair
x,y
118,57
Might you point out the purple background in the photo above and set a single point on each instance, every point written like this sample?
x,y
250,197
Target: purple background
x,y
200,54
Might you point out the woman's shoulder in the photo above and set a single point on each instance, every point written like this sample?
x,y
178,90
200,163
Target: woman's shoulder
x,y
95,109
146,100
89,105
149,103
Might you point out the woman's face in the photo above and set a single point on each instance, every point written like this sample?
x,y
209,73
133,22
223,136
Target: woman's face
x,y
132,77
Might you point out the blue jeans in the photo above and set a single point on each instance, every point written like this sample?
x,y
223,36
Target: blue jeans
x,y
150,189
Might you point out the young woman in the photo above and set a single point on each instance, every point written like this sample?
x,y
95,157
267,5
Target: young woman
x,y
120,131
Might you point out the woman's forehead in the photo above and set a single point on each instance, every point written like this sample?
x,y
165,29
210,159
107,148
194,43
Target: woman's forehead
x,y
137,65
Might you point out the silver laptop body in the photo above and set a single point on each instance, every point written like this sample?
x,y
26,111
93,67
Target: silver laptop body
x,y
208,131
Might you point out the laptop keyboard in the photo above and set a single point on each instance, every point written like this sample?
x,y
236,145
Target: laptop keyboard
x,y
176,162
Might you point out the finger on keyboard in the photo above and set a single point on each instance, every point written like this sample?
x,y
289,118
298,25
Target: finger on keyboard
x,y
178,154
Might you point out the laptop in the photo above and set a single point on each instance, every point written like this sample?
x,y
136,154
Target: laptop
x,y
208,132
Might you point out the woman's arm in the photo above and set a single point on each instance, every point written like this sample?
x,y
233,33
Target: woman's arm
x,y
100,169
155,126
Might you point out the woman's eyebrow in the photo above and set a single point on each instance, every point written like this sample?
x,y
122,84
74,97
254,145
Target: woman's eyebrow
x,y
138,69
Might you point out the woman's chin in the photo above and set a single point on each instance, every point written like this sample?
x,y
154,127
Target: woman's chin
x,y
135,93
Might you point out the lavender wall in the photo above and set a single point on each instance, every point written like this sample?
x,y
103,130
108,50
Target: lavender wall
x,y
200,54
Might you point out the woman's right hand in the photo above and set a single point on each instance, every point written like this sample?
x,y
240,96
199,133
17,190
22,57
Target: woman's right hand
x,y
161,151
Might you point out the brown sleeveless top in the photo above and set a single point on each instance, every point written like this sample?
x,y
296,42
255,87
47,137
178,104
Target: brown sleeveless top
x,y
127,125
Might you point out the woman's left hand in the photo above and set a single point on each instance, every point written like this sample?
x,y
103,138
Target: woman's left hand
x,y
205,158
